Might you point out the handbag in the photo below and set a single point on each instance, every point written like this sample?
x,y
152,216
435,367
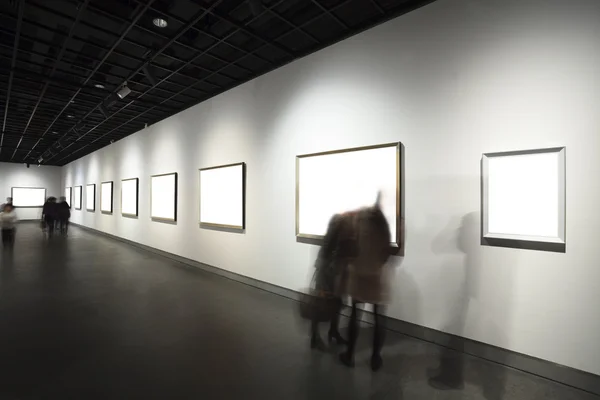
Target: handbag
x,y
317,305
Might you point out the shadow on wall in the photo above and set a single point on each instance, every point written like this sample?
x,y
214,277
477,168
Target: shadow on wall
x,y
466,317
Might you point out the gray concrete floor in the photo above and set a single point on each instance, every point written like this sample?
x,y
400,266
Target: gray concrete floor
x,y
88,317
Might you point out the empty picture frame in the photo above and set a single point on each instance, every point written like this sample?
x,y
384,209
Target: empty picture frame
x,y
69,196
90,197
222,196
28,197
163,197
106,197
129,197
343,180
523,199
77,197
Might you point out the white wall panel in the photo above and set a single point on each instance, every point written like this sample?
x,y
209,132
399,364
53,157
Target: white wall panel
x,y
451,81
18,175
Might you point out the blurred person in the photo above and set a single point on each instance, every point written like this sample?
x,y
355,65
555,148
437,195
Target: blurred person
x,y
367,278
50,214
330,273
8,222
63,214
9,200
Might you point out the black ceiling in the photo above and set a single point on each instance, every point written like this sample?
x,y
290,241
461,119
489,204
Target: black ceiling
x,y
54,53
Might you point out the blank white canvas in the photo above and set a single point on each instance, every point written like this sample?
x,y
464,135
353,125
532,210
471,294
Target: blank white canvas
x,y
77,197
339,182
163,197
222,196
28,197
68,195
106,197
129,194
523,195
90,197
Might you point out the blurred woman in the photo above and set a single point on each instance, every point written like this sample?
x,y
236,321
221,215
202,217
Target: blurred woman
x,y
330,275
367,280
50,214
64,213
8,222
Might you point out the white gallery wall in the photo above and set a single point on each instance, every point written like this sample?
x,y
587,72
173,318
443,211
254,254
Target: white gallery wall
x,y
452,80
18,175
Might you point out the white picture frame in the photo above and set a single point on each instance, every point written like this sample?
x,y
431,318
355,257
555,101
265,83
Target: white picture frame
x,y
28,197
523,199
77,197
90,197
130,197
69,196
106,197
222,196
163,197
337,181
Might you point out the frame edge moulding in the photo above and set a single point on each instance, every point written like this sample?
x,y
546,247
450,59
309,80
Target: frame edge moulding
x,y
523,199
242,182
388,166
158,218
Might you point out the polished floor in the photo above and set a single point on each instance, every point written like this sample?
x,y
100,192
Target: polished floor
x,y
88,317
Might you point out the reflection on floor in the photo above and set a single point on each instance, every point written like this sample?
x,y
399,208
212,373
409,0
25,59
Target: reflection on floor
x,y
88,317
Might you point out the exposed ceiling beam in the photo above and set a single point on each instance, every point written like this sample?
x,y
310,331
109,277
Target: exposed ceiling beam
x,y
115,44
12,67
80,12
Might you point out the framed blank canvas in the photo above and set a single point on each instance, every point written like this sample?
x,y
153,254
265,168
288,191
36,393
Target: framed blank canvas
x,y
343,180
163,197
28,197
222,196
69,196
106,197
77,197
129,197
90,197
523,199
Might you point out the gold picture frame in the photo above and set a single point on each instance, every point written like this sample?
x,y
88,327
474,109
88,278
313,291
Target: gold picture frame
x,y
397,245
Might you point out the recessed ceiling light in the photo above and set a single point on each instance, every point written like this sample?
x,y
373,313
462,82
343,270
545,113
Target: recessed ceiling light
x,y
161,23
99,86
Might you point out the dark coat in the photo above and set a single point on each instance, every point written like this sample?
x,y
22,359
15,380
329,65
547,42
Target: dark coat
x,y
332,261
64,211
368,273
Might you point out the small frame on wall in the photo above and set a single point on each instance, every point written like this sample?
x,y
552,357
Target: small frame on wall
x,y
337,181
222,196
130,197
523,199
28,197
106,197
90,197
163,197
77,197
69,196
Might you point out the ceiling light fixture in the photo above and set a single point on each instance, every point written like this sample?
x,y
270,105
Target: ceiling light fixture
x,y
69,116
161,23
99,86
124,91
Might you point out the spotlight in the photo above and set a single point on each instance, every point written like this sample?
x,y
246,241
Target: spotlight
x,y
40,160
124,91
99,86
161,23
